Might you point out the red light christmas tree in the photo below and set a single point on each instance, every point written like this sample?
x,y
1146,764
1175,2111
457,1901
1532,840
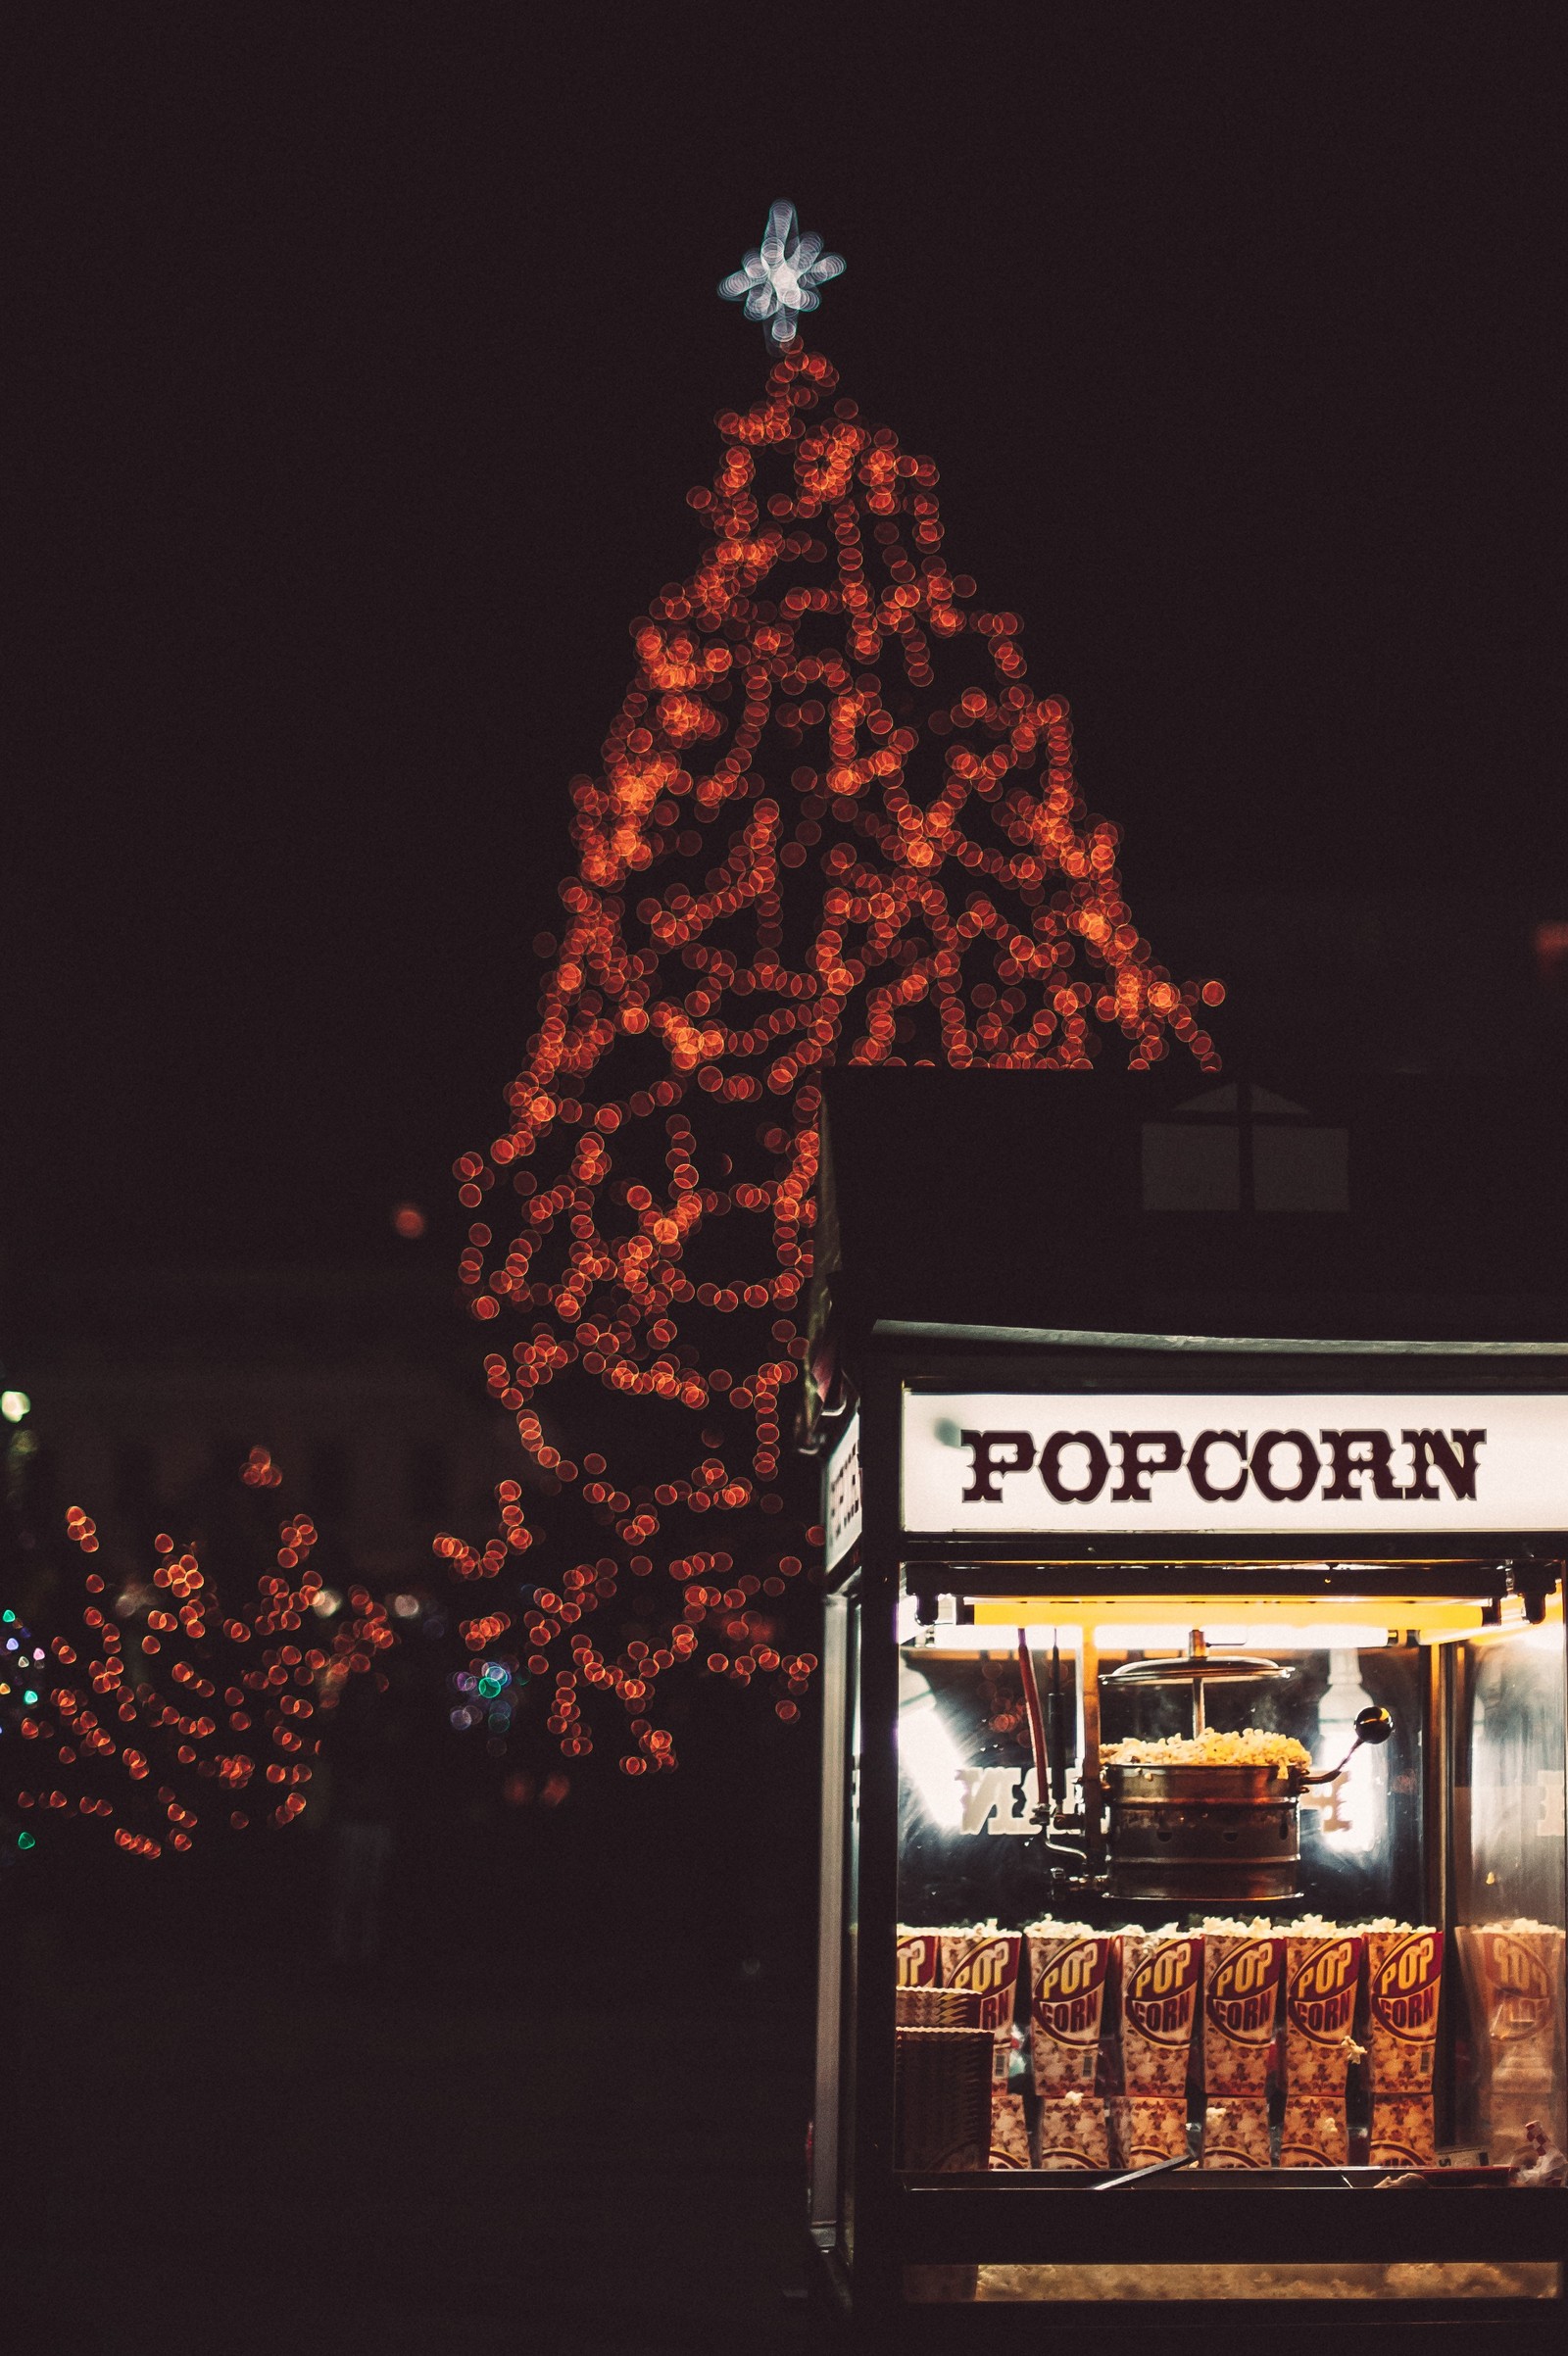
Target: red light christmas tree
x,y
833,822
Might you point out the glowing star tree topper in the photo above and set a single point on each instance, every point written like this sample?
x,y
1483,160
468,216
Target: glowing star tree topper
x,y
779,280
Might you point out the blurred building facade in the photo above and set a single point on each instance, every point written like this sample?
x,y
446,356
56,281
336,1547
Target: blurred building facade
x,y
149,1388
1467,979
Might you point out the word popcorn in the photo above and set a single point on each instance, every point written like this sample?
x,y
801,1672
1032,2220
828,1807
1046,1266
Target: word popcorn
x,y
1284,1466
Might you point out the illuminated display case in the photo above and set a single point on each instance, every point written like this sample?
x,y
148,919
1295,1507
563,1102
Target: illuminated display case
x,y
1194,1750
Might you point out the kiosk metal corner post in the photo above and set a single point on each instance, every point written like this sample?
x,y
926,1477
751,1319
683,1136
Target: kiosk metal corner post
x,y
1193,1774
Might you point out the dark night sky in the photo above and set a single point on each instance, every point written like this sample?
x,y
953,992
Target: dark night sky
x,y
362,363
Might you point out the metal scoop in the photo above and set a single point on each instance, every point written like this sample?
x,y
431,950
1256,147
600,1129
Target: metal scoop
x,y
1373,1726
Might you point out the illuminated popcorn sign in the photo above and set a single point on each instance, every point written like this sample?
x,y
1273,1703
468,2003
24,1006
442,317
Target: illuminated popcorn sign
x,y
1252,1462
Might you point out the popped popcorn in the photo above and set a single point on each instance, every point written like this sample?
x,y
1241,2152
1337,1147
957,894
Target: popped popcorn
x,y
1252,1746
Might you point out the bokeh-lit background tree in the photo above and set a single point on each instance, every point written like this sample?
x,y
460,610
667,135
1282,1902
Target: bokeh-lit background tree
x,y
833,822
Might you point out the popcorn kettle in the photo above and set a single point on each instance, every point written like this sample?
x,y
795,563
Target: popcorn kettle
x,y
1177,1832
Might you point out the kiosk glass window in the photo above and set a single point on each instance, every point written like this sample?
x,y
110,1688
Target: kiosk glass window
x,y
1259,1887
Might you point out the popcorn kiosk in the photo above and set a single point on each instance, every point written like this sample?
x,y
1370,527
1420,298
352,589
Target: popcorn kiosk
x,y
1193,1901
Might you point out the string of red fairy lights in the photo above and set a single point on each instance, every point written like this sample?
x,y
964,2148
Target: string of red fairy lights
x,y
833,822
175,1707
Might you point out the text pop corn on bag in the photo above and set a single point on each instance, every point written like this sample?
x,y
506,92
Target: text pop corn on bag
x,y
1161,1983
1162,1979
1069,1965
1404,1989
1322,1978
1242,1966
984,1963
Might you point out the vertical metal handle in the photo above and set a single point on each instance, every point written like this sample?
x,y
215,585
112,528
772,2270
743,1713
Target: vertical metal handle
x,y
1196,1647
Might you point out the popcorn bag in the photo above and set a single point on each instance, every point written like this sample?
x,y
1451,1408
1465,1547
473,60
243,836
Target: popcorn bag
x,y
1009,2131
984,1964
919,1958
969,1979
920,1999
1405,1989
1242,1966
1313,2132
1514,1973
981,1967
1068,1967
1161,1976
1322,1974
1235,2132
1148,2127
1071,2132
1401,2131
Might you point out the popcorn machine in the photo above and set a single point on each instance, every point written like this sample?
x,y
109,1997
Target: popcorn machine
x,y
1194,1770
